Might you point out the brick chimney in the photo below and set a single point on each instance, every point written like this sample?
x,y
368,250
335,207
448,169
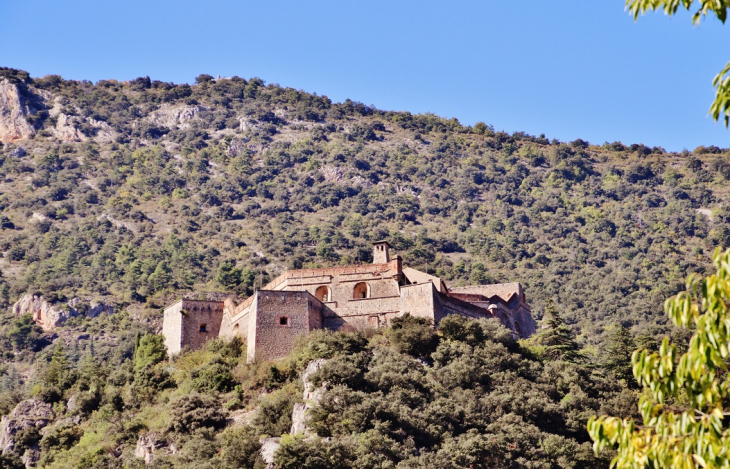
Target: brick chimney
x,y
381,252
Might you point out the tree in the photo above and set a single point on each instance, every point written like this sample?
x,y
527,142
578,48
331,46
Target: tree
x,y
58,369
203,78
228,275
721,105
684,407
618,356
151,351
557,338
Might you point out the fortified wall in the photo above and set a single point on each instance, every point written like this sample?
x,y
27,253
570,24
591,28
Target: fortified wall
x,y
354,297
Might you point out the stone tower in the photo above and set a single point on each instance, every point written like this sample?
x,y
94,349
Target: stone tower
x,y
381,252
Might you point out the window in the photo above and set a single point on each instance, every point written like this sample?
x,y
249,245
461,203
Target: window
x,y
361,290
323,294
203,328
235,329
283,320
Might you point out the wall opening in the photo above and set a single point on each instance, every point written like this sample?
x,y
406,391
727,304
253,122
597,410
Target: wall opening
x,y
361,290
518,329
284,321
323,294
373,322
235,329
203,328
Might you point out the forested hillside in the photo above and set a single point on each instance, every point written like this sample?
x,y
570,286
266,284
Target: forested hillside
x,y
138,192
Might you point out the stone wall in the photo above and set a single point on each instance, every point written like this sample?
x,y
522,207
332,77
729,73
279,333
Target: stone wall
x,y
279,317
191,323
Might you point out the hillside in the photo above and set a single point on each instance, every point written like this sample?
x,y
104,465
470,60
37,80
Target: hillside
x,y
138,191
117,197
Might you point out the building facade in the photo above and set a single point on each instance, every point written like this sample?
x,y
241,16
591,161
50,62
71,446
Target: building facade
x,y
354,297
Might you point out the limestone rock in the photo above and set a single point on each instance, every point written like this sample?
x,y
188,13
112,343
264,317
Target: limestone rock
x,y
51,315
174,117
311,397
13,112
67,129
28,413
47,315
146,446
269,446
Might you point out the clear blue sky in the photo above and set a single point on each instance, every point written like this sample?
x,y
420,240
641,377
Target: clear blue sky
x,y
569,69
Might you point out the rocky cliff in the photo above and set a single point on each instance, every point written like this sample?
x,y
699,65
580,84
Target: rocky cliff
x,y
14,110
51,315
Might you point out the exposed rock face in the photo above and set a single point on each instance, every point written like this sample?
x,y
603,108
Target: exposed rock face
x,y
311,397
49,315
150,445
29,413
174,117
13,112
269,446
146,447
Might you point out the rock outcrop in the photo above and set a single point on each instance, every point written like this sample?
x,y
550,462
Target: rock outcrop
x,y
46,314
174,117
13,111
27,414
51,315
311,397
150,445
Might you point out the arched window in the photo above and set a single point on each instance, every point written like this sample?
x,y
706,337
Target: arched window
x,y
323,294
362,290
235,329
518,329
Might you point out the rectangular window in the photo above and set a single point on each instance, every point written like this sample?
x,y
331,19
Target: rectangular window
x,y
203,328
283,321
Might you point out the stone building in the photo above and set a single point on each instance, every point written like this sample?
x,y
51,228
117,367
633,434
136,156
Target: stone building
x,y
354,297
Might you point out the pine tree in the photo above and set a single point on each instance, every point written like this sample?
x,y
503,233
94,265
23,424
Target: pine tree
x,y
618,356
557,338
58,369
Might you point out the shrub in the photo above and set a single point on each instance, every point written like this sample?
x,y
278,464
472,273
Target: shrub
x,y
195,411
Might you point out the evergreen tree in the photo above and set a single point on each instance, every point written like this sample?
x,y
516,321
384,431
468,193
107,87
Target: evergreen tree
x,y
618,352
557,338
58,369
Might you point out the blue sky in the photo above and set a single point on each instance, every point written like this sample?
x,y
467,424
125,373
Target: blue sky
x,y
569,69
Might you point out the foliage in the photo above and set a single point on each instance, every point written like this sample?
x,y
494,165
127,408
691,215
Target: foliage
x,y
149,351
684,406
195,411
556,338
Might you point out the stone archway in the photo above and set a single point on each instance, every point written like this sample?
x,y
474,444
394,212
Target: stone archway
x,y
323,294
361,290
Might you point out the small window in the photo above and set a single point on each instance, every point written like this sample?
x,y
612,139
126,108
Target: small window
x,y
203,328
283,321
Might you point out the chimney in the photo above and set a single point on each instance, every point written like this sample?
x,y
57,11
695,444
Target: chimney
x,y
381,252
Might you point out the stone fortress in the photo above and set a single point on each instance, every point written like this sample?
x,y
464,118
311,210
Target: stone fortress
x,y
354,297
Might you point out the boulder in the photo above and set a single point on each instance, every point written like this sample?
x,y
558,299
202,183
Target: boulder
x,y
28,413
18,152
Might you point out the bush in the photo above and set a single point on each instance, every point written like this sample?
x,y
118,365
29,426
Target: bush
x,y
195,411
414,336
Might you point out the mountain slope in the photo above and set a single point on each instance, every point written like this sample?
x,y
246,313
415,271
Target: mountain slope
x,y
142,190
